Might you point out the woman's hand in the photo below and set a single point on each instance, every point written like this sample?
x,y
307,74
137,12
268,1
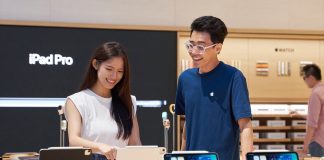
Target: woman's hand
x,y
109,151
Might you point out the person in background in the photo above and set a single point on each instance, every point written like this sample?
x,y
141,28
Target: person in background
x,y
102,115
314,140
214,96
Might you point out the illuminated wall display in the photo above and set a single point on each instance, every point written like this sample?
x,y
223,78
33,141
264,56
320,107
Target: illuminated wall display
x,y
283,68
42,65
56,59
262,68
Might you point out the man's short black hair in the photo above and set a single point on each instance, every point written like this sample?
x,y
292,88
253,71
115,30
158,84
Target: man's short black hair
x,y
212,25
314,70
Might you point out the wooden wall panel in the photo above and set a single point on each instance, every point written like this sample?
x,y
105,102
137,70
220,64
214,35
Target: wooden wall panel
x,y
183,55
322,58
235,52
273,86
244,53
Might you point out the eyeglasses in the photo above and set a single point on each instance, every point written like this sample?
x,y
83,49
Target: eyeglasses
x,y
200,48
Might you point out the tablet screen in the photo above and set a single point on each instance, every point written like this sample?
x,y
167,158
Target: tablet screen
x,y
193,156
272,156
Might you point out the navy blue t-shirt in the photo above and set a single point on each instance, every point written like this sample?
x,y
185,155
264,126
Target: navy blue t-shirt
x,y
213,103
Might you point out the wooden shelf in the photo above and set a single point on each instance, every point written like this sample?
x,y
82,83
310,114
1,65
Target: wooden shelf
x,y
297,139
298,127
265,128
267,140
286,140
271,116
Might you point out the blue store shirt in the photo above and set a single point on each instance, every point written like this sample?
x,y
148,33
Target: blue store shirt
x,y
213,103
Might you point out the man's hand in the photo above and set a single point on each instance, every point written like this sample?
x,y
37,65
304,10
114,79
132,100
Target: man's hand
x,y
301,154
294,114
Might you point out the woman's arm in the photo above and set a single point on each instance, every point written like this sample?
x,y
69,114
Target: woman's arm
x,y
134,139
74,132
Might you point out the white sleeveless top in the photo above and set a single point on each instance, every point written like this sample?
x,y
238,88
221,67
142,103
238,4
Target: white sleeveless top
x,y
97,123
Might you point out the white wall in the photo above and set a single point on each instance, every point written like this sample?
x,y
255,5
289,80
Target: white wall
x,y
260,14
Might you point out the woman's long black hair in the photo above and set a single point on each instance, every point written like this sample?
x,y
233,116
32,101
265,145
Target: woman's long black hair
x,y
122,106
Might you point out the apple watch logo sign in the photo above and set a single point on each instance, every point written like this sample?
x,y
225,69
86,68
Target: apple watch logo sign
x,y
52,59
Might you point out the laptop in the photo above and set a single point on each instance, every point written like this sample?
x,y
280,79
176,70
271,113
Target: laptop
x,y
140,153
191,156
65,153
272,156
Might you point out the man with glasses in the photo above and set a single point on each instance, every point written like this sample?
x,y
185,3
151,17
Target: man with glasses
x,y
213,96
314,140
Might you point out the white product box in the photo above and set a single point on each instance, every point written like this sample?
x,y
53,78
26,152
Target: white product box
x,y
261,109
275,135
256,147
275,147
297,147
300,109
276,123
255,123
256,135
270,109
298,122
298,135
280,109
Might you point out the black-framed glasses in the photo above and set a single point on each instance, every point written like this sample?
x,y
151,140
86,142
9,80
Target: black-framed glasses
x,y
200,48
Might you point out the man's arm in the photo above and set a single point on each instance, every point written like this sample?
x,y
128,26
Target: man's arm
x,y
246,131
183,138
314,111
309,136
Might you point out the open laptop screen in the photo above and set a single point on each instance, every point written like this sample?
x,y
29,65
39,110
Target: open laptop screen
x,y
272,156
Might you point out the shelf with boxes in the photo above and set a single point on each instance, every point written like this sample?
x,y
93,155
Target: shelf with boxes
x,y
275,128
268,136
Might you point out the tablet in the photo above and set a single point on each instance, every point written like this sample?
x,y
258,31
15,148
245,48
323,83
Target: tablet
x,y
140,153
191,156
272,156
65,153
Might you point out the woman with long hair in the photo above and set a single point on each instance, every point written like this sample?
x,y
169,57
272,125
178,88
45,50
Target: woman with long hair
x,y
102,115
